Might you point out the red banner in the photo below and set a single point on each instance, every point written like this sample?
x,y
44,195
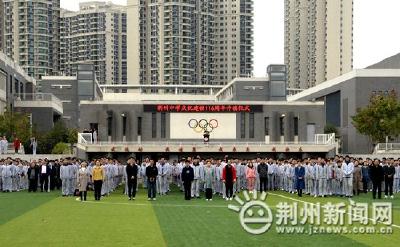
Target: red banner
x,y
202,108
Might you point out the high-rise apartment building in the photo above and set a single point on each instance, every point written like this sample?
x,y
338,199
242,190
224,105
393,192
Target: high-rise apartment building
x,y
318,40
234,39
31,35
1,25
189,41
96,34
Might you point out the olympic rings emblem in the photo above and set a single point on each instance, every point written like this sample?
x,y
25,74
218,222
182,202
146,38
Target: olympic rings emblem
x,y
203,125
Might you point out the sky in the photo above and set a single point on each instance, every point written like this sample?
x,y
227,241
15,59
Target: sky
x,y
376,32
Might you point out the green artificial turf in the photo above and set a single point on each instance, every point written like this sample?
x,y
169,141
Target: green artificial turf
x,y
47,219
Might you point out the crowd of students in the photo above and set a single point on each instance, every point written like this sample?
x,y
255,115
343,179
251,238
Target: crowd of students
x,y
339,176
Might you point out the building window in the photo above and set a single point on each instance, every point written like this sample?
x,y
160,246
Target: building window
x,y
345,112
163,125
281,126
251,125
242,125
139,126
124,116
11,84
296,126
109,122
266,126
153,125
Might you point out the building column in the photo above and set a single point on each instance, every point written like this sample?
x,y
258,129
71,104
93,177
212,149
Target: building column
x,y
124,116
109,125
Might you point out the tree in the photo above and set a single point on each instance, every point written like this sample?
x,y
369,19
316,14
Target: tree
x,y
330,128
48,141
61,148
15,124
380,118
72,136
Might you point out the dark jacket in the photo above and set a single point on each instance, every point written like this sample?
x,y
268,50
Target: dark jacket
x,y
131,171
36,172
365,172
388,172
262,170
151,172
52,171
187,174
376,173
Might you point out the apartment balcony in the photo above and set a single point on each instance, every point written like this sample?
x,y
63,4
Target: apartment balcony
x,y
38,100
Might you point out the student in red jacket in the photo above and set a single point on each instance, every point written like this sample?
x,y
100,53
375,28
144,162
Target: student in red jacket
x,y
17,144
229,178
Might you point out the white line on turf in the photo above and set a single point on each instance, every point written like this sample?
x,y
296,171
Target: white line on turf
x,y
297,200
158,205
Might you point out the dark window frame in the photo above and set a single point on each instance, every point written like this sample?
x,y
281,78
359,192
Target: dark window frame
x,y
163,125
266,126
153,125
242,125
296,126
139,126
251,124
282,126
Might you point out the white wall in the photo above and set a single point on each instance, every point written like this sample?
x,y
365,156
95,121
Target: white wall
x,y
179,127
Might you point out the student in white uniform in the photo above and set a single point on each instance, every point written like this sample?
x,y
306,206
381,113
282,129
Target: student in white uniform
x,y
348,168
239,174
338,180
1,175
3,145
14,174
7,177
329,178
64,178
271,175
322,176
162,178
218,177
143,167
178,174
308,178
396,177
198,177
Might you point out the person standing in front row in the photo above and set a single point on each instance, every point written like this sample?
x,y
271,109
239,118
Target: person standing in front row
x,y
151,174
262,170
300,172
83,180
44,177
33,176
388,172
229,178
209,176
251,177
97,177
376,173
187,179
357,178
131,175
347,168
